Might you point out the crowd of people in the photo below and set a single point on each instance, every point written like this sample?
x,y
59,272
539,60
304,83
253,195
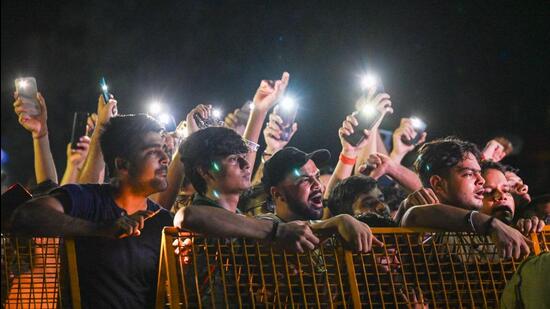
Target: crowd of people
x,y
128,178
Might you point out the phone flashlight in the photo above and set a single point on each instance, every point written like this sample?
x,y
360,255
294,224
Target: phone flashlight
x,y
287,110
104,90
419,127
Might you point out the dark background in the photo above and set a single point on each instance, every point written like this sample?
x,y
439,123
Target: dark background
x,y
469,69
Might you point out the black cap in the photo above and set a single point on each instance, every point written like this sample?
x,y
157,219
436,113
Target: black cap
x,y
285,160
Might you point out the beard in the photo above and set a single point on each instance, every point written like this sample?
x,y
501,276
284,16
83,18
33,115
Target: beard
x,y
303,210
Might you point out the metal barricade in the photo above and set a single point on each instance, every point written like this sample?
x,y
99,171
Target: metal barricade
x,y
448,270
32,276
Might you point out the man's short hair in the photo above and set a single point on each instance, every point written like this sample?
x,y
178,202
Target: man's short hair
x,y
345,192
204,147
439,156
123,135
489,164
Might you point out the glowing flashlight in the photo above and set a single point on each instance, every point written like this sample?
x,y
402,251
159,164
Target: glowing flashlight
x,y
216,113
165,119
369,110
251,105
104,87
155,108
23,84
368,81
417,123
288,103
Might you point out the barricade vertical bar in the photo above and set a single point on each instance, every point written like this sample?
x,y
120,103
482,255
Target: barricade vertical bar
x,y
536,245
327,279
73,273
300,273
275,279
436,248
455,279
249,274
354,290
162,277
340,281
170,261
285,257
261,266
428,269
222,272
390,273
236,274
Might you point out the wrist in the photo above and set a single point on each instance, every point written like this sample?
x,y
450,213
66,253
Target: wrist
x,y
397,156
347,159
41,134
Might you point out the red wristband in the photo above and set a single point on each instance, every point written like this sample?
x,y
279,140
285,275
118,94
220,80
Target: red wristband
x,y
347,160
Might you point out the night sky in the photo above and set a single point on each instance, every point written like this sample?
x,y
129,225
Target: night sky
x,y
471,70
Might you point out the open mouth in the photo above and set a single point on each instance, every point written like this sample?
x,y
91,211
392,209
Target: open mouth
x,y
479,193
316,198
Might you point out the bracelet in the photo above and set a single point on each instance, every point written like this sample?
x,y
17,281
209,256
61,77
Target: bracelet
x,y
274,229
347,160
469,219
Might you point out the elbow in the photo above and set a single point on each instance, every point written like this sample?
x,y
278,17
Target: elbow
x,y
184,218
410,218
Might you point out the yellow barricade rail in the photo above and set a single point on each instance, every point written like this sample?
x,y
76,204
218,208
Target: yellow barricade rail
x,y
446,270
32,275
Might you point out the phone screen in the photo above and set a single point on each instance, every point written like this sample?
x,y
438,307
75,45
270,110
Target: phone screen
x,y
80,120
104,89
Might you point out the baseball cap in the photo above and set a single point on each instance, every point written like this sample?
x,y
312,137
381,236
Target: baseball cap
x,y
286,160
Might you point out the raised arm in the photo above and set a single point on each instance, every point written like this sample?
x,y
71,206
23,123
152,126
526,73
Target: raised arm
x,y
274,143
348,155
379,165
404,131
44,166
266,96
75,160
94,166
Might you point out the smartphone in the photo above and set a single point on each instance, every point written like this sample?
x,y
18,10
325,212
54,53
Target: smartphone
x,y
366,119
211,121
27,90
243,113
13,197
419,127
104,90
80,120
288,115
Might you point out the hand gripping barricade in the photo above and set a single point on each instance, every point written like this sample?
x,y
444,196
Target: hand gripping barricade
x,y
445,270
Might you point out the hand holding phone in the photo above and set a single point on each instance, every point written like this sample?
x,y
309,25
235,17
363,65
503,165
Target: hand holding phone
x,y
80,121
368,117
27,91
287,110
419,127
104,90
212,120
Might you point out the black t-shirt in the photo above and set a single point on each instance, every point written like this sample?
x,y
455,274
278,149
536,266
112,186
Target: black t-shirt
x,y
114,273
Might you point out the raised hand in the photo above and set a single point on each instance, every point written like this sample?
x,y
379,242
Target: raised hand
x,y
295,236
348,127
37,125
404,131
272,134
270,92
128,225
76,157
203,110
105,111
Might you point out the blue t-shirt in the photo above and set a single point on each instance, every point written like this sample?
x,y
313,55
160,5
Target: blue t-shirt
x,y
114,273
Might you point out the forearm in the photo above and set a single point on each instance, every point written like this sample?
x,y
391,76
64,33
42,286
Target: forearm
x,y
44,166
94,164
70,175
175,177
37,218
364,154
397,157
253,130
380,147
444,217
257,179
406,178
219,222
341,172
